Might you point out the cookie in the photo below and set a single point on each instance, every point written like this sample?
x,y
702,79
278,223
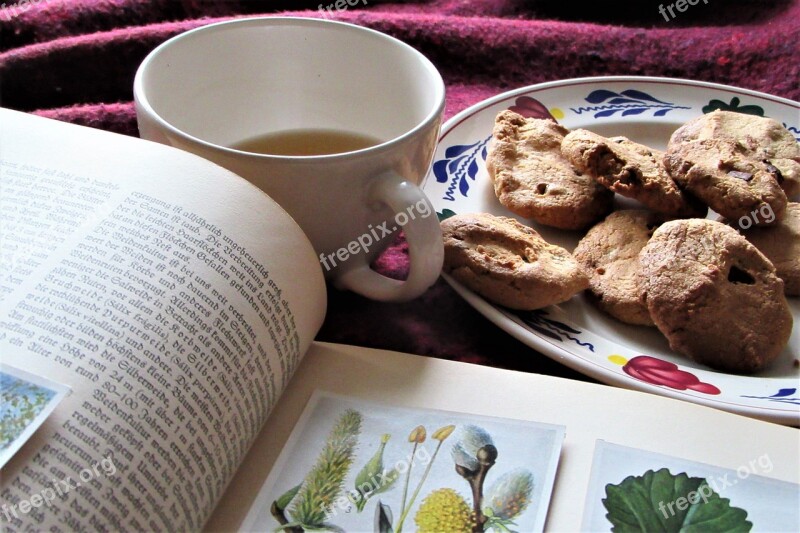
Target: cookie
x,y
714,296
759,138
534,180
781,245
509,263
712,158
630,169
610,255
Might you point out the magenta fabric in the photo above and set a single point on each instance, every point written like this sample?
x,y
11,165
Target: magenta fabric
x,y
74,60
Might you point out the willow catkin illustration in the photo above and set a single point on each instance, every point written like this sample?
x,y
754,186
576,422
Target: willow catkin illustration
x,y
507,498
324,483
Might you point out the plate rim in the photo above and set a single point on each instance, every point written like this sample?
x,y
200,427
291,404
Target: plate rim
x,y
782,415
459,117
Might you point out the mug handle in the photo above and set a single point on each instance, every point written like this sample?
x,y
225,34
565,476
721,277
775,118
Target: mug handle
x,y
425,246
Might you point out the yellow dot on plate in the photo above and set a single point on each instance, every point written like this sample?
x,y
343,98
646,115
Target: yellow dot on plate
x,y
557,113
617,359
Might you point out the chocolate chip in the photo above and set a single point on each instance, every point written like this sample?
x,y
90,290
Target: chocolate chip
x,y
775,171
746,176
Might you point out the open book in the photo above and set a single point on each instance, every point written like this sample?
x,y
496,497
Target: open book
x,y
174,298
177,305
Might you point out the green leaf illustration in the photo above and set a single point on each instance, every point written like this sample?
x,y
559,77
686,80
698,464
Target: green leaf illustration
x,y
661,501
372,478
283,502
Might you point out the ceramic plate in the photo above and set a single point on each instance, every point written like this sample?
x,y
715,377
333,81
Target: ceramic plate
x,y
647,110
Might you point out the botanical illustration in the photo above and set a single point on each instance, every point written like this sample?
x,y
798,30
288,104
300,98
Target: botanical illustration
x,y
662,501
376,469
25,401
21,402
308,502
634,490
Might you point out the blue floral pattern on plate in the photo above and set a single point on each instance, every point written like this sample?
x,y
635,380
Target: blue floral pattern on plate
x,y
461,166
628,102
553,329
782,396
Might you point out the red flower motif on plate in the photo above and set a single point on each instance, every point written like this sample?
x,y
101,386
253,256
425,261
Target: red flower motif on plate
x,y
659,372
531,108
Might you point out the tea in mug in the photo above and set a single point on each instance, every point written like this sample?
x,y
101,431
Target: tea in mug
x,y
306,142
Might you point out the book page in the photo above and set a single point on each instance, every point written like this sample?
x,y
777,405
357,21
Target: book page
x,y
588,411
173,297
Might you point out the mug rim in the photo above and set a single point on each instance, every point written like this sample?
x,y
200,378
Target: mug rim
x,y
141,99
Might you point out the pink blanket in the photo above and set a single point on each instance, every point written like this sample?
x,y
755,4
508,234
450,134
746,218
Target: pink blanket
x,y
74,60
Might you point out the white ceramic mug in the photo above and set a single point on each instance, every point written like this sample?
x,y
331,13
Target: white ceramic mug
x,y
212,87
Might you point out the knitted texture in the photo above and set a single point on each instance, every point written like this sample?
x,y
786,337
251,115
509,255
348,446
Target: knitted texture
x,y
74,60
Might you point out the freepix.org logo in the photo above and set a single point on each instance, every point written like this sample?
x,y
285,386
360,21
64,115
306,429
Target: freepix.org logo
x,y
339,5
8,12
681,6
375,234
716,484
58,489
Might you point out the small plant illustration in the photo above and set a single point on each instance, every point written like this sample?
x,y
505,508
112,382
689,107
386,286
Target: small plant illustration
x,y
474,455
507,498
662,501
444,510
418,436
21,403
373,479
309,503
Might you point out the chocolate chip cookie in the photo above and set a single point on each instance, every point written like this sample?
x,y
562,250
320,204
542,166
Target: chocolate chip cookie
x,y
509,263
757,138
715,158
610,255
714,296
630,169
534,180
781,245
